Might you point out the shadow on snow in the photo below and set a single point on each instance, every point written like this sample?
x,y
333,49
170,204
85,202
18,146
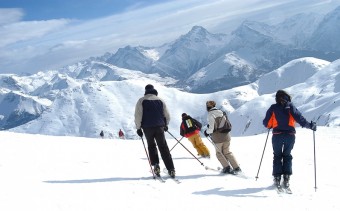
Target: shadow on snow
x,y
246,192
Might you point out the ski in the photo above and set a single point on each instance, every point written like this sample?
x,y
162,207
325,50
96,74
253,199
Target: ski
x,y
159,178
219,169
280,189
173,179
241,175
287,190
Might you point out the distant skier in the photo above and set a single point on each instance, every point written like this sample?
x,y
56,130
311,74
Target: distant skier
x,y
121,134
151,115
101,134
221,141
190,128
281,117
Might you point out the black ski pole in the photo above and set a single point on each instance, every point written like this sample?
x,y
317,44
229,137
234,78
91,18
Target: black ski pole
x,y
314,161
265,144
186,149
147,155
176,144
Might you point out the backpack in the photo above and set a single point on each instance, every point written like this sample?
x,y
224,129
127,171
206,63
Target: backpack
x,y
190,125
222,124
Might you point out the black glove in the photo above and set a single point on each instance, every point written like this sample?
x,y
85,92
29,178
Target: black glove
x,y
165,128
140,132
312,125
205,133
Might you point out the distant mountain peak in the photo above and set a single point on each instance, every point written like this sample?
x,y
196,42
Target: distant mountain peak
x,y
198,30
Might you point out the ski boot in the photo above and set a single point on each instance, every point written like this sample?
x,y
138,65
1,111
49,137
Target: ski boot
x,y
237,170
172,173
286,181
228,170
277,181
157,170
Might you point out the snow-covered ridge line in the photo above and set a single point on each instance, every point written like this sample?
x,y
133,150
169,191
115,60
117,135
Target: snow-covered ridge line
x,y
83,107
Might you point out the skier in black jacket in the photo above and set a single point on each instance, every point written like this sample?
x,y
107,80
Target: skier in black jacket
x,y
151,115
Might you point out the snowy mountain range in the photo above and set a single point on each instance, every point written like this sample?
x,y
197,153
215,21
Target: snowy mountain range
x,y
240,58
63,105
241,72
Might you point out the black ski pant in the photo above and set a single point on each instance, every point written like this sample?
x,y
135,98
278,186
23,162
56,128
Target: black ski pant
x,y
282,147
155,135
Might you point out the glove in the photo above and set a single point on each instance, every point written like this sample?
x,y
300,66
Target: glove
x,y
140,132
312,126
205,133
165,128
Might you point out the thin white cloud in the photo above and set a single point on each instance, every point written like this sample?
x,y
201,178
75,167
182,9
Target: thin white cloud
x,y
10,15
21,31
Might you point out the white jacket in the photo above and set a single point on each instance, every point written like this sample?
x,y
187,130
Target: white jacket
x,y
212,114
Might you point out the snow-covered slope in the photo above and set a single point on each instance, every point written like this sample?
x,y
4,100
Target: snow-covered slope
x,y
88,108
48,173
294,72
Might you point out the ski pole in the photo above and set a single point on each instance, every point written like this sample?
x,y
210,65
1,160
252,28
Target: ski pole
x,y
314,161
176,143
186,149
257,176
147,155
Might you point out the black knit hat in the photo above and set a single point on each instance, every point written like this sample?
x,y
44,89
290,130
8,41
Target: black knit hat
x,y
184,115
149,89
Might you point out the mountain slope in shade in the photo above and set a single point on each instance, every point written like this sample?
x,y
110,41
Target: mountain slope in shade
x,y
18,109
226,72
325,36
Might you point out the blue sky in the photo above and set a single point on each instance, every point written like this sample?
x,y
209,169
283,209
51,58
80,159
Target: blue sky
x,y
39,35
74,9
